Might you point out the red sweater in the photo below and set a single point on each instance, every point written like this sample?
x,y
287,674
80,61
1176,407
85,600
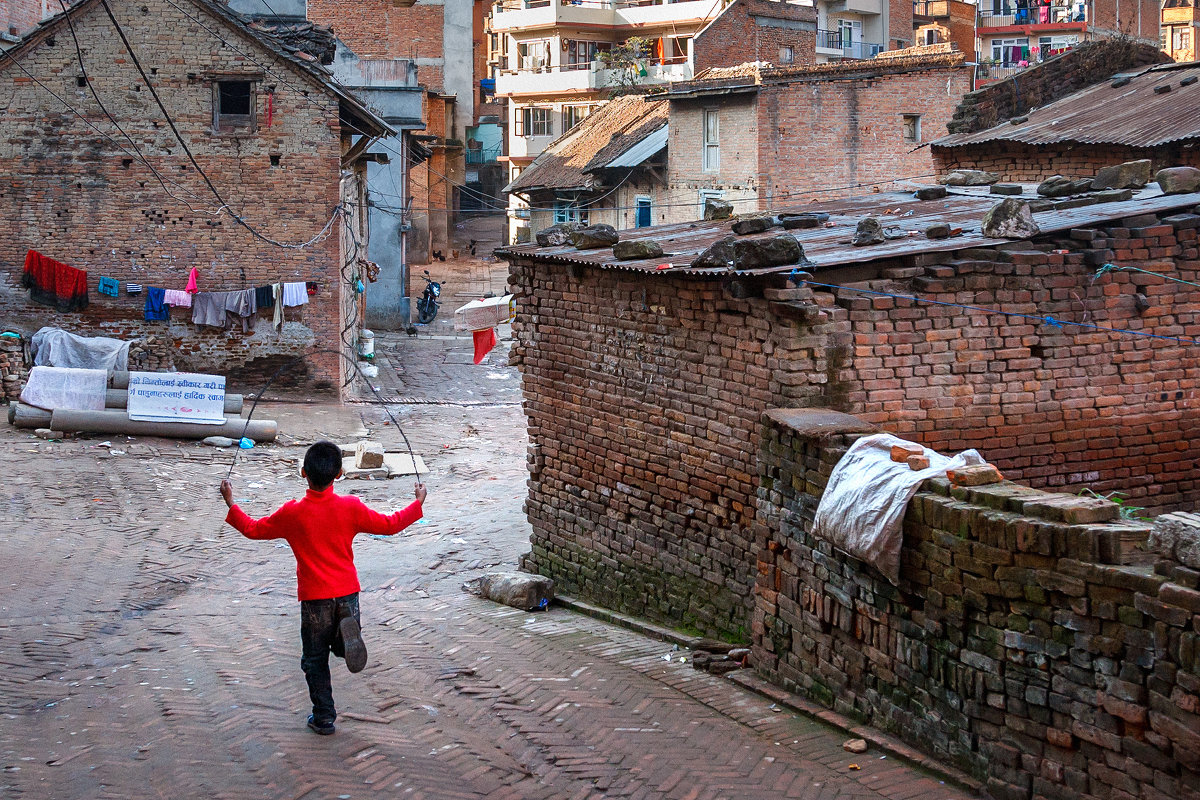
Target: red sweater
x,y
320,529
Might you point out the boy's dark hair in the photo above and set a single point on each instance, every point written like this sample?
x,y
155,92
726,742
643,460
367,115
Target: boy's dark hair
x,y
322,463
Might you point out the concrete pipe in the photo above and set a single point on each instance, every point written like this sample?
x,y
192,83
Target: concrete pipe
x,y
21,415
116,421
119,398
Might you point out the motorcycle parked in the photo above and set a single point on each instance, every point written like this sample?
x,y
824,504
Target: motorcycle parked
x,y
427,306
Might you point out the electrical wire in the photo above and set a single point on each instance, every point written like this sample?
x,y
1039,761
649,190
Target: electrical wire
x,y
1040,319
103,108
86,121
171,123
298,360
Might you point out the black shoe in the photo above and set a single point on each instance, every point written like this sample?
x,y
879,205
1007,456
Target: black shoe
x,y
321,728
352,643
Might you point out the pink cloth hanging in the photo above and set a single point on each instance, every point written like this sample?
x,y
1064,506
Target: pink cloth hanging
x,y
191,285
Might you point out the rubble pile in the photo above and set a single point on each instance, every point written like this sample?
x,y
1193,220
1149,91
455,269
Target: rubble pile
x,y
151,354
719,657
13,371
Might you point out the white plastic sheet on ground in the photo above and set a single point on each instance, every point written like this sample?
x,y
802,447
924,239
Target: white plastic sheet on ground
x,y
54,388
53,347
864,502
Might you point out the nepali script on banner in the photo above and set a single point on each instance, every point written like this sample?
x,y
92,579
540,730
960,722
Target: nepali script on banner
x,y
177,397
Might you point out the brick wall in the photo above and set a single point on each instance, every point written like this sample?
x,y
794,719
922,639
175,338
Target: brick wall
x,y
1014,161
644,392
738,174
1057,77
756,30
381,29
900,25
1015,646
18,17
1139,19
77,197
844,134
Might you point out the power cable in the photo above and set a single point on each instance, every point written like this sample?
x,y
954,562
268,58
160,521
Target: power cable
x,y
103,108
171,123
88,122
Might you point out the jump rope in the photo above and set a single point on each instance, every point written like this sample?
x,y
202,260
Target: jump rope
x,y
298,360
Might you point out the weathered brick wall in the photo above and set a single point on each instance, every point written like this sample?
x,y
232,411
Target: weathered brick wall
x,y
79,198
738,175
1015,646
846,134
1056,407
643,394
1015,161
1138,19
1060,76
382,29
755,30
18,17
900,25
642,399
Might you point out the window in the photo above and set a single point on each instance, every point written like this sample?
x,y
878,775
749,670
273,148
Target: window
x,y
1010,52
233,106
581,54
1053,45
534,122
849,31
566,211
712,140
645,211
675,49
786,56
533,55
1183,38
573,115
709,194
911,124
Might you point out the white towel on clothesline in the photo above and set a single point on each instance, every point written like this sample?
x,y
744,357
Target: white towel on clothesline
x,y
295,294
178,298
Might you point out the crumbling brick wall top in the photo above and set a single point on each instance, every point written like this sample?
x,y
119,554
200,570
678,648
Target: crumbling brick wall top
x,y
1060,76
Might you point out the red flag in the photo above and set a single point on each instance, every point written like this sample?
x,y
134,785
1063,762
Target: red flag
x,y
485,340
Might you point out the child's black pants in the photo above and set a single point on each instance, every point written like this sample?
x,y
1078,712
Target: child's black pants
x,y
319,636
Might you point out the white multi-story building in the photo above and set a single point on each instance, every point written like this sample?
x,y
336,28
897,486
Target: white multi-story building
x,y
549,67
854,29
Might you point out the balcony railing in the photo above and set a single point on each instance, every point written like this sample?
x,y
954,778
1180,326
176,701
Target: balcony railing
x,y
992,70
483,156
1011,13
838,40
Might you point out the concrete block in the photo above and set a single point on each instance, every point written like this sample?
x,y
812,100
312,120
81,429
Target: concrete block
x,y
368,455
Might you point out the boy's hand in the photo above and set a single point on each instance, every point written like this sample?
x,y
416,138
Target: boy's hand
x,y
420,493
227,492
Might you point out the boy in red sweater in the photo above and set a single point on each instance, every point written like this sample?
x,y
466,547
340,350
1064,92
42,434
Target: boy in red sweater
x,y
320,529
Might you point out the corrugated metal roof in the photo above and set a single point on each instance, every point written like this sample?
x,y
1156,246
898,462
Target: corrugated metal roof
x,y
829,247
647,147
1133,114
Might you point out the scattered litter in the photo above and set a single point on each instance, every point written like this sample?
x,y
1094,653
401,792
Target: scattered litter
x,y
246,443
117,452
774,707
104,444
854,766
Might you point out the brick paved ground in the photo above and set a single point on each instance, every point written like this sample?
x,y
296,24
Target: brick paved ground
x,y
150,651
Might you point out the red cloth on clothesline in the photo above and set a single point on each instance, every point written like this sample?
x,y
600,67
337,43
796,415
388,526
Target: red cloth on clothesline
x,y
485,340
54,283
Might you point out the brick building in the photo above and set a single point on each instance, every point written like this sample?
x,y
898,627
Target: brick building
x,y
760,137
1179,28
609,169
644,387
938,21
757,30
1078,134
282,144
658,487
18,17
1016,34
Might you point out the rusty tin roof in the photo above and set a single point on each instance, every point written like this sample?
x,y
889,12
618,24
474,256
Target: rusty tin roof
x,y
1157,105
830,246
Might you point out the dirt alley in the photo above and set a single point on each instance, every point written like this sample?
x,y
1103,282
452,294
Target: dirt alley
x,y
151,651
